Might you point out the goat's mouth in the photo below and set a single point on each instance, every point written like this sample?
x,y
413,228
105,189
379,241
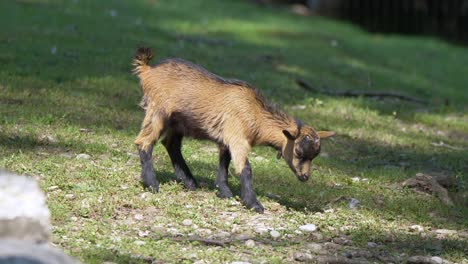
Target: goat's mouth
x,y
303,177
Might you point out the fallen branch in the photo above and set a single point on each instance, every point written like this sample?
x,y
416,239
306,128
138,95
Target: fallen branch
x,y
348,93
211,242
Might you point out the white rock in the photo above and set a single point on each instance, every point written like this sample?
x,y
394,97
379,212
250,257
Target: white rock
x,y
308,228
22,205
353,203
314,247
83,156
222,234
260,229
446,231
356,179
187,222
139,242
138,217
250,243
53,188
240,262
416,228
69,196
371,244
437,260
143,233
274,234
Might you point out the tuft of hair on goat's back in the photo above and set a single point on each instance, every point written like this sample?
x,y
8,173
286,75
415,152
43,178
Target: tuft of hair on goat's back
x,y
182,99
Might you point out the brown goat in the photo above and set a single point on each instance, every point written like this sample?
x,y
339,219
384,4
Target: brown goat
x,y
183,99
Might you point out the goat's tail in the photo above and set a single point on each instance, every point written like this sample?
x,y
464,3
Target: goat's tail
x,y
142,57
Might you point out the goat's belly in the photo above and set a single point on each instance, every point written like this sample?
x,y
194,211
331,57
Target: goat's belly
x,y
190,126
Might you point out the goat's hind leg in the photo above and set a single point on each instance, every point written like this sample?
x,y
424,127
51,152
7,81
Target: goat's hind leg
x,y
149,134
223,173
173,144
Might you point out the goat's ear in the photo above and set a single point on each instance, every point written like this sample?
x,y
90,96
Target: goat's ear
x,y
288,135
279,155
326,134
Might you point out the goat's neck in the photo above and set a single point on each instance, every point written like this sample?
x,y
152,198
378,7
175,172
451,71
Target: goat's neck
x,y
271,132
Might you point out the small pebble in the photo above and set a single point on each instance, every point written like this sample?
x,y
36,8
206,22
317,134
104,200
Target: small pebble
x,y
139,242
274,234
187,222
437,260
53,188
308,228
416,228
83,156
250,243
371,244
69,196
353,203
138,217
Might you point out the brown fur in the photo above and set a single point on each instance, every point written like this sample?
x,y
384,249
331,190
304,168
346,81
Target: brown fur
x,y
182,97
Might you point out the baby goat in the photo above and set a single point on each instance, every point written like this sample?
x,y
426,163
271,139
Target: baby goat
x,y
182,99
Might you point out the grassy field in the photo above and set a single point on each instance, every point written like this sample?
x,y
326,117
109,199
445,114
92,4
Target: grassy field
x,y
66,89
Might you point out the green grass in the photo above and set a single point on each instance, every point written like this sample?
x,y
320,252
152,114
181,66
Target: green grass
x,y
65,74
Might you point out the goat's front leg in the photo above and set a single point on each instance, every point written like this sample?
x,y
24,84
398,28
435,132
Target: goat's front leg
x,y
248,196
223,173
239,154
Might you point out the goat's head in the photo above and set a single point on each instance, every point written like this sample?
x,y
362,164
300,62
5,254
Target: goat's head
x,y
301,148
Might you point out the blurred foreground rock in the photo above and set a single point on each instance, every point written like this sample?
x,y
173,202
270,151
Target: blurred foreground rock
x,y
25,223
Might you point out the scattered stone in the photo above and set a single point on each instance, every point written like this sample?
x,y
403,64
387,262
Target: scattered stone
x,y
69,196
298,107
274,234
138,217
315,248
139,243
446,232
83,156
240,262
25,223
74,218
331,246
143,233
416,228
53,188
425,260
187,222
250,243
203,232
355,179
260,229
308,228
353,203
259,158
316,236
23,211
302,256
372,244
222,235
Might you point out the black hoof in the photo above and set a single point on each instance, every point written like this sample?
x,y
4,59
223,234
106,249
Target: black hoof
x,y
225,193
190,185
255,205
150,182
